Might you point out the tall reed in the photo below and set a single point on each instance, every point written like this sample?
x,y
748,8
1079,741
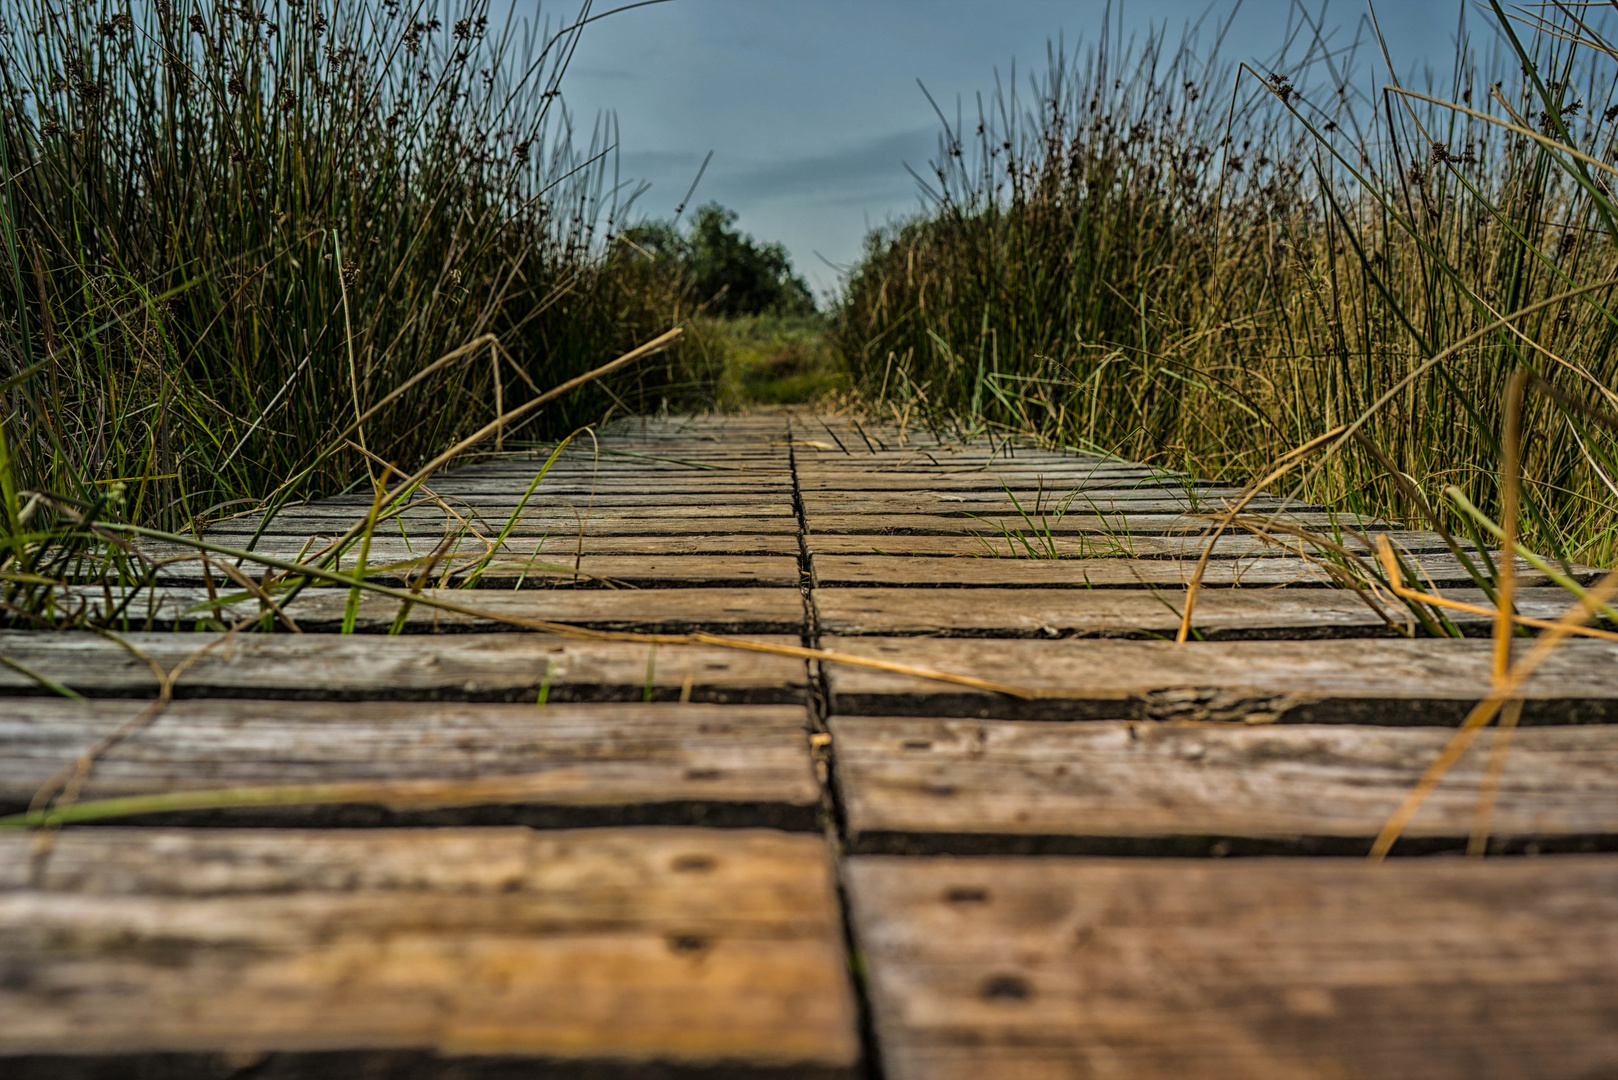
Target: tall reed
x,y
1162,254
229,230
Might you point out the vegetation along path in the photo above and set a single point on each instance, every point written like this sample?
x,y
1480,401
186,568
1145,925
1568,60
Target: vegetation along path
x,y
786,745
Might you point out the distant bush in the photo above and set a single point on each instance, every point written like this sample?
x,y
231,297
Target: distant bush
x,y
726,272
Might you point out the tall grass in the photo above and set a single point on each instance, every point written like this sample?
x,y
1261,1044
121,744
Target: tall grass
x,y
229,231
1156,252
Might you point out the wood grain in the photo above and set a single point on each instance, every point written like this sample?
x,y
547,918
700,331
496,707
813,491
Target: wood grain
x,y
557,548
1441,570
700,500
928,783
1395,682
1082,546
1426,969
1222,614
322,610
1151,501
1120,525
559,519
753,760
459,667
428,527
394,560
694,946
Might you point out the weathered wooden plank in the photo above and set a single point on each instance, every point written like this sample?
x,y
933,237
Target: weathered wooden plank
x,y
1221,614
1125,503
430,527
395,548
1442,570
1398,681
929,470
505,500
1012,786
580,486
974,484
314,517
1427,969
559,950
1090,546
394,561
323,610
444,762
1120,526
743,470
456,667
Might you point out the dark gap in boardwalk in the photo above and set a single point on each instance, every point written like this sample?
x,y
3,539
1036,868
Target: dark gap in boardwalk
x,y
560,694
1208,847
706,814
1391,711
824,755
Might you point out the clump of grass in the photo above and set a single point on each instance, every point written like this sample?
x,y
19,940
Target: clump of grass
x,y
769,359
228,232
1183,261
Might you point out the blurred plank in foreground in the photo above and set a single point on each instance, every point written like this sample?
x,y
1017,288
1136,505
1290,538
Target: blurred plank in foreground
x,y
646,945
1047,968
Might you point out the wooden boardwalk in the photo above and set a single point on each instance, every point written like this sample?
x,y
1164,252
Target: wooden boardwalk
x,y
534,854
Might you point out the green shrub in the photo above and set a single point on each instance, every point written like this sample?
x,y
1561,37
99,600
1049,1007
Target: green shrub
x,y
726,272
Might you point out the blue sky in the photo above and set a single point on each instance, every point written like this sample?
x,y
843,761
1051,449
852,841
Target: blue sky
x,y
812,109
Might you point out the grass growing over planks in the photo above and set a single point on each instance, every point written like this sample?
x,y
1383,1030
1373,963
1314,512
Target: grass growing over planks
x,y
1154,252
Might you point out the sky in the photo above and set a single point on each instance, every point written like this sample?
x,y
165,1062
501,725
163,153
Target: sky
x,y
812,109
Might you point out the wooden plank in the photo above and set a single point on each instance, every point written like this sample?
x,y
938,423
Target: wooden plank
x,y
1119,526
455,667
1047,512
315,517
394,562
446,762
928,469
1083,546
1121,787
323,610
430,527
582,485
1221,615
975,485
567,951
1427,969
746,471
1443,570
505,500
1397,681
943,481
394,548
